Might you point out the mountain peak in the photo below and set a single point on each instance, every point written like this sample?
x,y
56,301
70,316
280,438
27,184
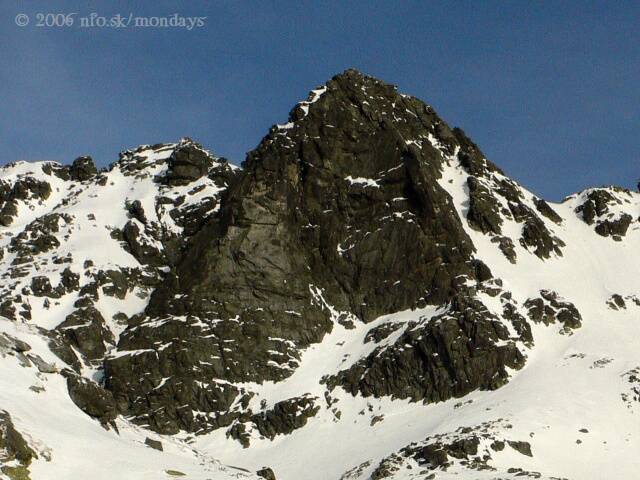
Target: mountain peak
x,y
366,268
348,112
353,77
347,88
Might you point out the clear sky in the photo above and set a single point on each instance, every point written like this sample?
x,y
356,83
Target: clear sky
x,y
549,90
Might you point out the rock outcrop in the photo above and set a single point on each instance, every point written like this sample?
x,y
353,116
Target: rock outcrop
x,y
82,169
337,215
15,453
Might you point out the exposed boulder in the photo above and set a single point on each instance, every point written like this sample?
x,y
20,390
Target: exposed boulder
x,y
116,283
550,307
618,302
266,473
92,399
615,228
7,212
85,330
54,168
522,447
69,280
9,343
631,395
137,211
596,205
155,444
285,417
600,207
82,169
41,287
141,246
41,365
188,162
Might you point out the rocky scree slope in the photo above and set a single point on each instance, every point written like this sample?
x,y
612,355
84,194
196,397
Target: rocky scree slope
x,y
367,268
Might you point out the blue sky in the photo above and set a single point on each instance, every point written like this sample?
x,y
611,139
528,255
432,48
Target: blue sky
x,y
549,90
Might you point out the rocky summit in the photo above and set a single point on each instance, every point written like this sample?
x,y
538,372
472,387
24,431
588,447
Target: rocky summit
x,y
368,297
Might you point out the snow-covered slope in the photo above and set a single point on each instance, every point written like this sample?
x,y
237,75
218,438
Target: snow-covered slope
x,y
66,442
522,364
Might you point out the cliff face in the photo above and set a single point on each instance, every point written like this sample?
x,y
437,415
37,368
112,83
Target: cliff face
x,y
337,216
365,265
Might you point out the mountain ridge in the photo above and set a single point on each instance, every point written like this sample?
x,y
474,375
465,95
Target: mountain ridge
x,y
367,266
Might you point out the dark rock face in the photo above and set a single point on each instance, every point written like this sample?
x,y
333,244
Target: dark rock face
x,y
483,208
187,163
15,453
336,208
176,382
301,187
523,447
82,169
463,446
614,228
339,216
84,329
616,302
91,398
596,210
544,208
137,211
596,205
549,308
266,473
22,189
632,394
155,444
140,246
41,285
447,356
285,417
536,236
489,190
39,236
